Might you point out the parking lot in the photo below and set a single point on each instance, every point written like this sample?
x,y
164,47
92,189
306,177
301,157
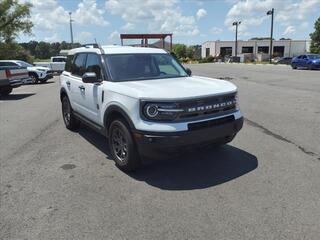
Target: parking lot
x,y
58,184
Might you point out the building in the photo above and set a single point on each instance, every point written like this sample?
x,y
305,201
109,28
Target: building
x,y
281,48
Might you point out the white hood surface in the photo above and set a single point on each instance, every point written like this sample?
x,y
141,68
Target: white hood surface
x,y
175,88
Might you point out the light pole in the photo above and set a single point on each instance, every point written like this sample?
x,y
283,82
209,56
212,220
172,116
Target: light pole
x,y
237,23
71,33
271,12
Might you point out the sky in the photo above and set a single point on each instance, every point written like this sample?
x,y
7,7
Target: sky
x,y
190,21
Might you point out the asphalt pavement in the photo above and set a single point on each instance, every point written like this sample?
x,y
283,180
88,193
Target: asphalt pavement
x,y
59,184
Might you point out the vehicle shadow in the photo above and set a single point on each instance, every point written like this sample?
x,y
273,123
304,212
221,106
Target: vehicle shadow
x,y
194,169
197,169
16,96
44,83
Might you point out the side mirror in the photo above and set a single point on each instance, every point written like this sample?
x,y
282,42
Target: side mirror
x,y
188,71
89,77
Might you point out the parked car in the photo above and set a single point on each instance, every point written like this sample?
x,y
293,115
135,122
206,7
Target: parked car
x,y
12,77
37,74
309,61
283,60
56,64
146,102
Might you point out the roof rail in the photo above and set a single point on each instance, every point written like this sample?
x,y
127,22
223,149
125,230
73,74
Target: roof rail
x,y
93,45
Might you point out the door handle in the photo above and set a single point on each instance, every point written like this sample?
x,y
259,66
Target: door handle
x,y
82,88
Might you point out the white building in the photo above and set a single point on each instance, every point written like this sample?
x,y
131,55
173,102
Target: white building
x,y
281,48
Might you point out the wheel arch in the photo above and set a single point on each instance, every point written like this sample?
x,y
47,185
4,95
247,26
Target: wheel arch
x,y
114,112
63,93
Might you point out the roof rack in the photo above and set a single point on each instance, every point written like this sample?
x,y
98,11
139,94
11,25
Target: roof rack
x,y
93,45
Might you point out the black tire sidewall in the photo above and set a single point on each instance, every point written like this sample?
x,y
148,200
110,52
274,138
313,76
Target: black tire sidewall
x,y
132,160
73,123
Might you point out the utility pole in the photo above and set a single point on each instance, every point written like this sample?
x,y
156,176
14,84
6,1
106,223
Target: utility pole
x,y
237,23
271,12
71,33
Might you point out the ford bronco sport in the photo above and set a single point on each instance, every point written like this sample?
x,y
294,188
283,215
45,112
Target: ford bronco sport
x,y
145,102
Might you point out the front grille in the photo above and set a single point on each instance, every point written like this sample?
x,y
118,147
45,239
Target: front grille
x,y
210,123
210,106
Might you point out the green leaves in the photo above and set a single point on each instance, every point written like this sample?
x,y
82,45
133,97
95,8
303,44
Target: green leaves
x,y
14,18
315,38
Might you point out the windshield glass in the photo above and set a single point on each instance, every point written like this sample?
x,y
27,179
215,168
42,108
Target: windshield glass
x,y
130,67
24,64
314,56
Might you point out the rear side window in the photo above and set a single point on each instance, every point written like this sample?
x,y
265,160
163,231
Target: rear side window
x,y
78,66
7,64
69,63
93,64
58,59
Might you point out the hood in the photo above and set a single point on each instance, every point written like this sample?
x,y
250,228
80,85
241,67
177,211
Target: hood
x,y
175,88
38,68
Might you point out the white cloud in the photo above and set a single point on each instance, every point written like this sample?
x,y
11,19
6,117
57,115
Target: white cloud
x,y
252,13
216,31
114,37
89,13
154,16
201,13
128,27
84,37
289,30
48,17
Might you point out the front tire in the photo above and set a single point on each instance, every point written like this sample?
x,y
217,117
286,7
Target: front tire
x,y
122,146
293,66
34,78
68,117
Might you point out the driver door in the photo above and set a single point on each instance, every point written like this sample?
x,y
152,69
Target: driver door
x,y
91,93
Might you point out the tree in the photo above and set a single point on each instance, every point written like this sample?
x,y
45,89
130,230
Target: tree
x,y
180,50
315,38
14,18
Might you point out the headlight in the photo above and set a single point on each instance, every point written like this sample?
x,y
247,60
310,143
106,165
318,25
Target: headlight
x,y
160,111
41,70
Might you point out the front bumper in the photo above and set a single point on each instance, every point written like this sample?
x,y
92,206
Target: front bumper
x,y
46,76
153,144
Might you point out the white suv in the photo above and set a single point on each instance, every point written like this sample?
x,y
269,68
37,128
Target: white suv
x,y
145,102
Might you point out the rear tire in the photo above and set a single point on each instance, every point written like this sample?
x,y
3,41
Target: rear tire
x,y
67,113
5,91
123,147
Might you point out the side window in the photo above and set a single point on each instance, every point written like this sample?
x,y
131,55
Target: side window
x,y
69,63
304,57
78,66
93,64
8,64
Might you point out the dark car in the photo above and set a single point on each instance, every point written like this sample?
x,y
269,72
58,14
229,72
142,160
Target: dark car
x,y
309,61
283,60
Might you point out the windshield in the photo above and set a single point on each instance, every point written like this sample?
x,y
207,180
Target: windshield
x,y
130,67
314,56
24,64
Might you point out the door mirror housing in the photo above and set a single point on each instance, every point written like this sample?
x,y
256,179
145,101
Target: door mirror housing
x,y
90,77
188,71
